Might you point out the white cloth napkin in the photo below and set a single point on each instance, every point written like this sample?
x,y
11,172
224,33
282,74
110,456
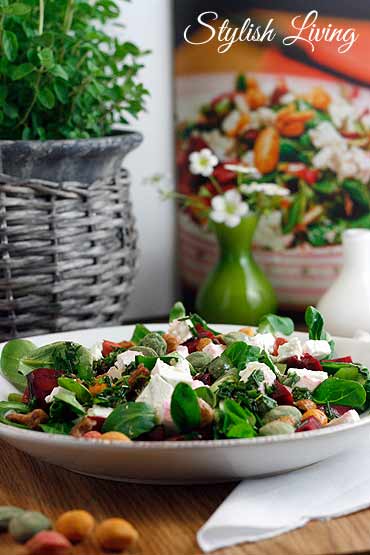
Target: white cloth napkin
x,y
263,508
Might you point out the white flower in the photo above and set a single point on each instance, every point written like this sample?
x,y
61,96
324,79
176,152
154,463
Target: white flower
x,y
203,162
325,134
238,168
229,208
270,189
218,143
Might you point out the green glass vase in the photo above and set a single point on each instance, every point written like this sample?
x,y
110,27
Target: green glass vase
x,y
236,291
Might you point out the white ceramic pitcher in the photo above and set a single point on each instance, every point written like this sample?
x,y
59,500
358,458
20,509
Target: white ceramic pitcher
x,y
346,305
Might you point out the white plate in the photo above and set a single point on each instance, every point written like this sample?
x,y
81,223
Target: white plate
x,y
186,462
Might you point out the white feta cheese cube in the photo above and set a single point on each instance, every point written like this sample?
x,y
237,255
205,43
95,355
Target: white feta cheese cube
x,y
99,412
173,374
318,348
308,379
213,350
49,398
157,394
292,348
182,351
123,360
96,350
180,329
265,341
349,417
268,375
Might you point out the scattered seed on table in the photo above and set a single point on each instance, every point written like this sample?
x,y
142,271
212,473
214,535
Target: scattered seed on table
x,y
75,525
6,515
27,525
116,534
48,542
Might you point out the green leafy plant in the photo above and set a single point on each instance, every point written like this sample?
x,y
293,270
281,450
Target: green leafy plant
x,y
67,356
235,422
62,75
177,311
340,392
271,323
11,356
132,419
185,409
240,353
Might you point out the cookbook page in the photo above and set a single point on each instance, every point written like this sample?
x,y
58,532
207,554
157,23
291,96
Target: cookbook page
x,y
241,70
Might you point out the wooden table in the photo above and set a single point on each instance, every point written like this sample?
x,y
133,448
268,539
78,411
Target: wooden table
x,y
167,517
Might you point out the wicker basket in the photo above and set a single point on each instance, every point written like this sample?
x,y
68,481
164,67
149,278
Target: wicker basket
x,y
68,254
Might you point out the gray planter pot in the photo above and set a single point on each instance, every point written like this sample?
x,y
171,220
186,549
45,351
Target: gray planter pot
x,y
68,240
82,160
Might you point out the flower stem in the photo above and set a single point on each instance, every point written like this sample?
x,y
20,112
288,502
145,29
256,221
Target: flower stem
x,y
41,16
216,184
68,16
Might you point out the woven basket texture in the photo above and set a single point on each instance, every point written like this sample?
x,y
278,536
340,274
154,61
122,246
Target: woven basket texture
x,y
68,254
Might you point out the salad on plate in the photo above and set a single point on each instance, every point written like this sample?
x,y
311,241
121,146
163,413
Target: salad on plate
x,y
312,144
187,382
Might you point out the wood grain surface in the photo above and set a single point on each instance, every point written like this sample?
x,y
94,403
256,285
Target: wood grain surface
x,y
166,517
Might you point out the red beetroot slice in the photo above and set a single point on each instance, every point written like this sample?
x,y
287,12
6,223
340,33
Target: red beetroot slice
x,y
41,383
309,424
306,361
26,396
206,378
337,410
281,394
191,344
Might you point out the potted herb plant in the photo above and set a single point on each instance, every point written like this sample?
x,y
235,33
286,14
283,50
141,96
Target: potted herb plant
x,y
67,86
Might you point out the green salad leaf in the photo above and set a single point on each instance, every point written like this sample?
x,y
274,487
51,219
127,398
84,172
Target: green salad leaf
x,y
185,410
12,406
60,428
149,362
177,311
207,395
336,391
235,422
315,323
81,392
69,357
331,367
238,354
65,401
131,419
276,324
140,332
11,356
